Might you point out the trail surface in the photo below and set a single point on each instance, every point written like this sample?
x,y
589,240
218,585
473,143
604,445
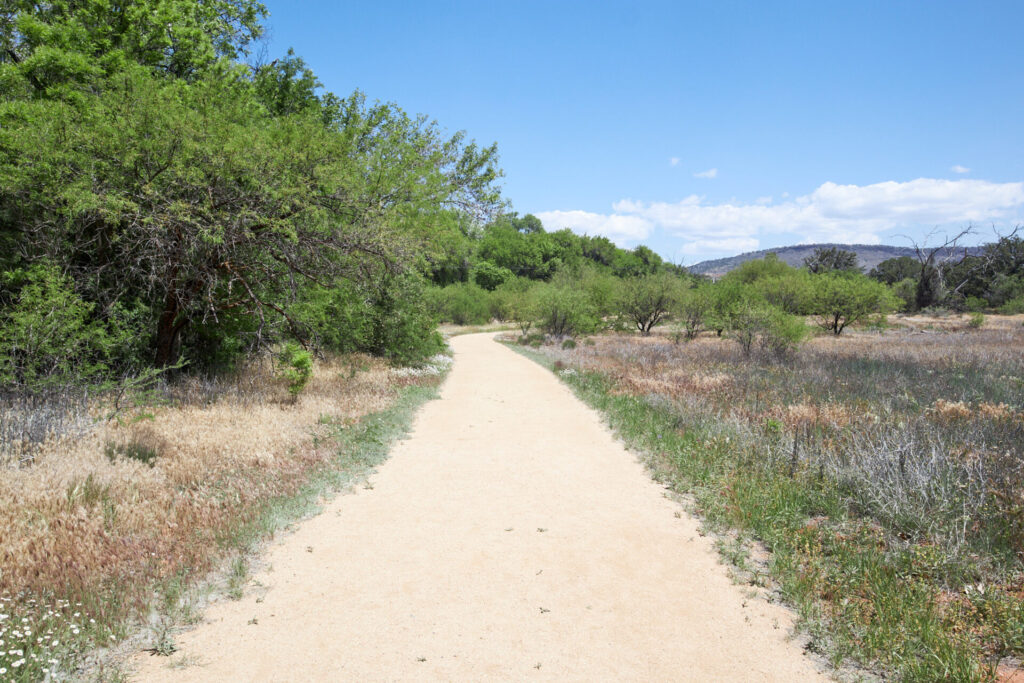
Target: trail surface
x,y
509,538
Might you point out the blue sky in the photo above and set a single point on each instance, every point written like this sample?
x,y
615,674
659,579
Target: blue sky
x,y
705,129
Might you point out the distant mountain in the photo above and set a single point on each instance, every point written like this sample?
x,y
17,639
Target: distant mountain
x,y
868,256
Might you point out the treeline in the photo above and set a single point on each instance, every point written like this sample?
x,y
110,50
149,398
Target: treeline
x,y
164,202
765,305
990,280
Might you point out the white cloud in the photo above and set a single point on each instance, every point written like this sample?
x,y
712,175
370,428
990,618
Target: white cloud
x,y
959,169
731,245
674,161
710,173
616,227
831,213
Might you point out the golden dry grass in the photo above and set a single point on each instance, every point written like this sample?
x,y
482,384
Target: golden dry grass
x,y
85,515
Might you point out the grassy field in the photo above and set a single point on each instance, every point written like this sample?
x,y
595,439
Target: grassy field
x,y
884,472
110,526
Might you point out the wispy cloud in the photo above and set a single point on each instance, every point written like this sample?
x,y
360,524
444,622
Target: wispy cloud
x,y
959,169
674,161
831,213
710,173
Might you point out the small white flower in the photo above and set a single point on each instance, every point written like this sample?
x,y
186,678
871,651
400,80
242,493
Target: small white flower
x,y
15,664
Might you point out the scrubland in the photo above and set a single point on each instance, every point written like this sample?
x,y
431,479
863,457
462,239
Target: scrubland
x,y
107,522
883,469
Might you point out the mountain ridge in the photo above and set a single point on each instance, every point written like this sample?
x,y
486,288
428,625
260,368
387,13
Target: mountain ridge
x,y
868,256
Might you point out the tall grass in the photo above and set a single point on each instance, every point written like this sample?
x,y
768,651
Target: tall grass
x,y
148,505
883,471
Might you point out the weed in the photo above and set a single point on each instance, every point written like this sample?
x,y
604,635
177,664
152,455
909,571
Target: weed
x,y
163,639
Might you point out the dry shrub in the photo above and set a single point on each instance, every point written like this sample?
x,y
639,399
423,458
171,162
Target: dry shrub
x,y
950,411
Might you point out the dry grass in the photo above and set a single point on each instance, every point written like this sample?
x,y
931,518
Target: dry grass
x,y
104,514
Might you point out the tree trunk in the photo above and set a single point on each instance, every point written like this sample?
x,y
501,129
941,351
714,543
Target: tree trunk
x,y
168,329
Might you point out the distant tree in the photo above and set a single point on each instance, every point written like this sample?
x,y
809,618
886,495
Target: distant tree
x,y
693,308
528,224
828,259
564,310
893,270
646,300
841,299
792,292
600,250
751,271
489,276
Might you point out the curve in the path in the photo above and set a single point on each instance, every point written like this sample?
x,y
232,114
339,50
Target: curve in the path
x,y
510,537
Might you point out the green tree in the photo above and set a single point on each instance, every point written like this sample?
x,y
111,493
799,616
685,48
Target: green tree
x,y
48,334
831,259
756,269
489,276
563,310
645,301
693,308
842,299
792,292
891,271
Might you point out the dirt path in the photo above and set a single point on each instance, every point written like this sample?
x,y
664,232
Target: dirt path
x,y
511,537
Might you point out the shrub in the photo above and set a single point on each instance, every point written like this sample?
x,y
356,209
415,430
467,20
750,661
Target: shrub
x,y
401,328
906,291
489,276
792,292
756,324
975,321
693,308
295,367
519,303
49,334
462,304
1013,306
841,299
781,333
569,344
565,311
975,304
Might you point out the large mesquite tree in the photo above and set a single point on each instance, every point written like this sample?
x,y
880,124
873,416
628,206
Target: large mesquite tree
x,y
200,188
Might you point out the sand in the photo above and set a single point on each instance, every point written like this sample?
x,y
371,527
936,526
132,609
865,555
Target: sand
x,y
510,537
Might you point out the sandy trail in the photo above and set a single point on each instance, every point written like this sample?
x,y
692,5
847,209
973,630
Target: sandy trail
x,y
510,537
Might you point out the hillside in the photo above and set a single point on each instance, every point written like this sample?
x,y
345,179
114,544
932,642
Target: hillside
x,y
868,256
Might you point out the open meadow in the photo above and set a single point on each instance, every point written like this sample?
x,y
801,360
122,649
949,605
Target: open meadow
x,y
883,469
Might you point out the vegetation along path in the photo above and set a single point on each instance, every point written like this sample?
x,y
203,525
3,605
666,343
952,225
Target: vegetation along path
x,y
510,537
